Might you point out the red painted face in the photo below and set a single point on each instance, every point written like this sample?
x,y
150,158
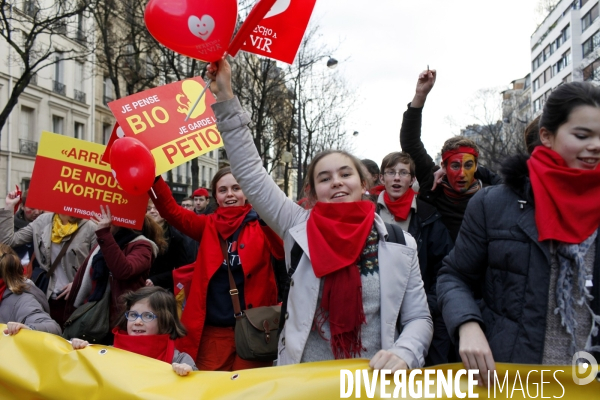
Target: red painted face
x,y
460,169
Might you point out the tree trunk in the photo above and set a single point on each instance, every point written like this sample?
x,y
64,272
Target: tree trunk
x,y
13,100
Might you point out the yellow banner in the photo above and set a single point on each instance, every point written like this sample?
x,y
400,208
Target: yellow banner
x,y
36,365
186,148
72,151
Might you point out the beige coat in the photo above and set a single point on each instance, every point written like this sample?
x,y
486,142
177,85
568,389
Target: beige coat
x,y
39,232
403,302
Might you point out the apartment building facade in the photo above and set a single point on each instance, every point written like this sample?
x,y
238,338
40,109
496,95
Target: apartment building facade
x,y
69,97
565,48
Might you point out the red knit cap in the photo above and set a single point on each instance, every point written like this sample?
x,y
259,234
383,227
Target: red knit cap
x,y
200,192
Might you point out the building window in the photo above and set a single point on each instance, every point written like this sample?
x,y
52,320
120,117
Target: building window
x,y
592,71
547,74
58,124
536,105
565,35
589,18
106,132
211,154
27,120
78,130
568,78
567,57
58,85
204,183
591,44
582,3
108,90
210,174
535,64
536,84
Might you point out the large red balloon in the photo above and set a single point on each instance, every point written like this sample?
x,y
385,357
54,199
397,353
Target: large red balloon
x,y
200,29
133,165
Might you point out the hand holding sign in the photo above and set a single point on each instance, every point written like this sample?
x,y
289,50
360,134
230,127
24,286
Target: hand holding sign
x,y
133,165
199,29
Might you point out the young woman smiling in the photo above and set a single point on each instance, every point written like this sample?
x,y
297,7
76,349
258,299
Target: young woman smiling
x,y
352,294
531,247
208,313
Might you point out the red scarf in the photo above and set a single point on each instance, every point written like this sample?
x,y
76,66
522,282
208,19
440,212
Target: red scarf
x,y
375,190
228,219
337,233
400,207
2,288
159,347
566,199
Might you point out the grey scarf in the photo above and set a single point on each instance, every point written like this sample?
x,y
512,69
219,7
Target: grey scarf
x,y
572,272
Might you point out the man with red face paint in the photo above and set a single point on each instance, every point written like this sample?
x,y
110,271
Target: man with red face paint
x,y
459,158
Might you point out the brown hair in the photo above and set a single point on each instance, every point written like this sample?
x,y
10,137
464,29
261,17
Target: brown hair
x,y
213,184
459,141
309,179
154,232
11,270
164,305
532,135
396,157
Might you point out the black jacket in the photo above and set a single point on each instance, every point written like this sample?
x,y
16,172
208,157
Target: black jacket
x,y
433,240
182,250
451,210
498,250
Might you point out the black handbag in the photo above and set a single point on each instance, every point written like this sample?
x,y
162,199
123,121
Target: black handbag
x,y
256,329
90,321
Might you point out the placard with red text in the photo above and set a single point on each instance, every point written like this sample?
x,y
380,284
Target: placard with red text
x,y
69,177
279,34
156,117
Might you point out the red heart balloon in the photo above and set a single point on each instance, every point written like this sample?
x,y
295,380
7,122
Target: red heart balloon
x,y
200,29
133,165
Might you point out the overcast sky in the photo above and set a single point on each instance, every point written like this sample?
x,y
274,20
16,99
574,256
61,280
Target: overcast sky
x,y
385,44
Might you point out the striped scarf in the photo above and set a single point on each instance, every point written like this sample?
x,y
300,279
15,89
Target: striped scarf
x,y
453,194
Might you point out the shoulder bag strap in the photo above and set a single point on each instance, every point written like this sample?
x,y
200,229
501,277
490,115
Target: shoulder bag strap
x,y
235,299
63,250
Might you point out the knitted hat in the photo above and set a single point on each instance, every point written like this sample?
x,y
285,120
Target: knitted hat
x,y
200,192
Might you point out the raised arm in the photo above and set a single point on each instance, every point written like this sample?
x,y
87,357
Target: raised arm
x,y
186,221
8,235
273,206
410,132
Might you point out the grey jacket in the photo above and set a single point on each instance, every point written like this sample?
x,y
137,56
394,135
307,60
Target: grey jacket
x,y
39,232
403,302
29,308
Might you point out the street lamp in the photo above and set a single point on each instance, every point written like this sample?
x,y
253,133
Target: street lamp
x,y
331,64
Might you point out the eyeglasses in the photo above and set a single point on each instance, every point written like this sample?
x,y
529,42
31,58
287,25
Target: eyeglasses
x,y
146,316
391,173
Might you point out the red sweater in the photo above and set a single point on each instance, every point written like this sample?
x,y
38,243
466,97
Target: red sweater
x,y
256,245
129,269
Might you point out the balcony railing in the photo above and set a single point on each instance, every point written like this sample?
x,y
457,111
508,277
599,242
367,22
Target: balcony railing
x,y
79,96
188,180
80,36
28,147
59,88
